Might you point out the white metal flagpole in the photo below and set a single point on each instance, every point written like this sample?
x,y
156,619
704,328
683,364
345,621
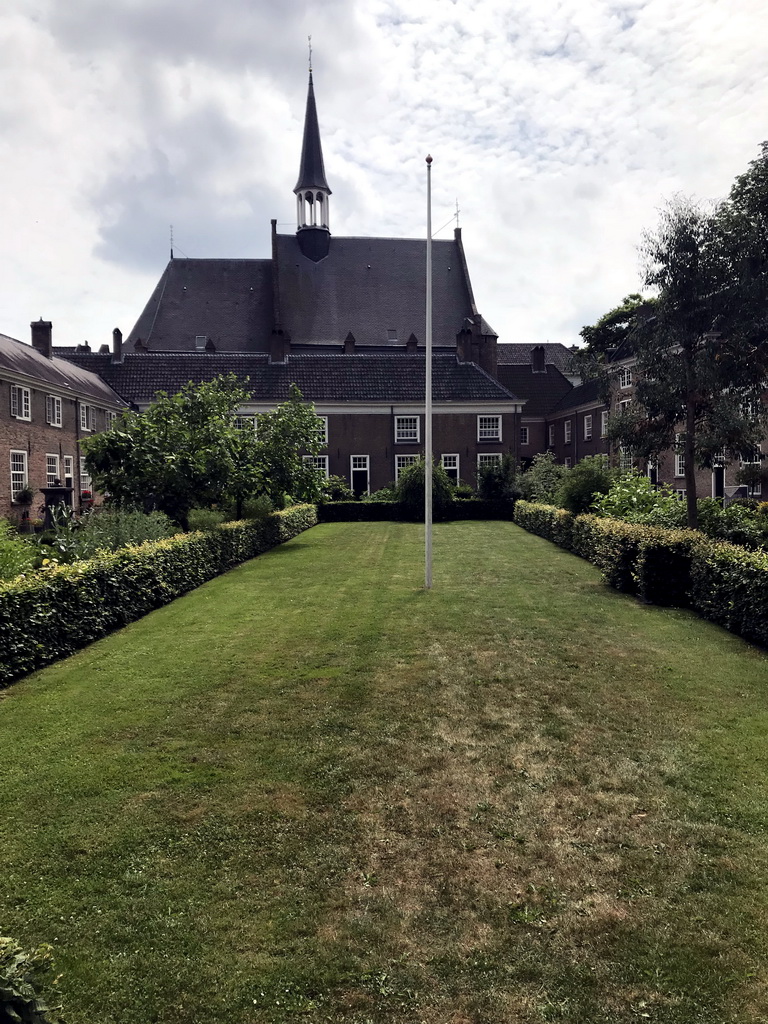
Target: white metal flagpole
x,y
428,397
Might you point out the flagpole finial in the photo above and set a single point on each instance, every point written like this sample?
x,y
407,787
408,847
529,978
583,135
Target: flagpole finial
x,y
429,159
309,44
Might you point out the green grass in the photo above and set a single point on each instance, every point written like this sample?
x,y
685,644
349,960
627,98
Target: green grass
x,y
311,791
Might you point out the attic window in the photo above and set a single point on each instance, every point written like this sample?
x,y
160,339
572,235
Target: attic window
x,y
392,333
200,341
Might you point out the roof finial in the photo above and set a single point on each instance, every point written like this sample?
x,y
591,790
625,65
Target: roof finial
x,y
309,44
171,241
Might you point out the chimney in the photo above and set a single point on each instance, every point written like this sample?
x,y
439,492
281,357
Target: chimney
x,y
349,344
104,350
412,344
42,338
537,359
117,345
464,343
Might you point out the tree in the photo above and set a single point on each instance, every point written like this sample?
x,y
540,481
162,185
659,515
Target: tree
x,y
189,450
603,338
410,490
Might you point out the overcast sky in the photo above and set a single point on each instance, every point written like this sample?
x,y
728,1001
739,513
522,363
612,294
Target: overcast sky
x,y
559,125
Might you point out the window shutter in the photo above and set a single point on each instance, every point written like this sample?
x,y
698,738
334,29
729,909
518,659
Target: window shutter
x,y
14,400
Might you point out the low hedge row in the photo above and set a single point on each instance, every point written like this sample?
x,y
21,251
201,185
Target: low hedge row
x,y
50,613
392,511
681,568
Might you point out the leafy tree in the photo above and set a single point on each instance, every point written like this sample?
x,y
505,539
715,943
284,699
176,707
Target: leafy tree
x,y
187,450
613,328
499,479
541,480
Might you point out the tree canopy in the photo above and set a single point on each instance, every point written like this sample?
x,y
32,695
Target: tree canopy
x,y
191,449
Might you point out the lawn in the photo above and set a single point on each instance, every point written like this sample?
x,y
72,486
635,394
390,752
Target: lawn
x,y
313,792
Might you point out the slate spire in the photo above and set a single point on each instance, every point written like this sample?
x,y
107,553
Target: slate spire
x,y
311,170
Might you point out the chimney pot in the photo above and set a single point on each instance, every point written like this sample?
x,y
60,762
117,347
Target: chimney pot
x,y
42,337
117,345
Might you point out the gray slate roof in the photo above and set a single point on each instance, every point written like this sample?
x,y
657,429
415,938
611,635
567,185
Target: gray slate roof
x,y
228,301
381,377
312,169
59,374
585,394
369,286
542,391
555,354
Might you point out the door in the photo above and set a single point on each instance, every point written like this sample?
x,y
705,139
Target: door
x,y
359,475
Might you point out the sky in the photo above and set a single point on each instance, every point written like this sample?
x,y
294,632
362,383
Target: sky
x,y
560,127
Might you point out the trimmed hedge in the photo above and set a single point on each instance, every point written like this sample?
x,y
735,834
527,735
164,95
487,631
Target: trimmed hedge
x,y
50,613
729,586
681,568
392,511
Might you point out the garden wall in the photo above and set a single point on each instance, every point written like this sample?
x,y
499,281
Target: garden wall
x,y
47,614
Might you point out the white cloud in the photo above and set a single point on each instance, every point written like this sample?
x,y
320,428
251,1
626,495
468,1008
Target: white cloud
x,y
560,126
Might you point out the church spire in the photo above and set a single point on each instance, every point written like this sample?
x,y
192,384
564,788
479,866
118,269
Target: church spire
x,y
311,189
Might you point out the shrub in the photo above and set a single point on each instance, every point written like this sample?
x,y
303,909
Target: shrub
x,y
738,523
541,480
499,480
387,493
634,499
579,488
410,491
663,568
24,977
16,554
336,488
462,490
729,586
359,511
48,614
113,528
204,518
548,521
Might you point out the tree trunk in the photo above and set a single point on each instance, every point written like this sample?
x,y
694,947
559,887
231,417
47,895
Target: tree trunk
x,y
689,447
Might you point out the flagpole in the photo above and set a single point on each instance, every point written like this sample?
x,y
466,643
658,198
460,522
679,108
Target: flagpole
x,y
428,397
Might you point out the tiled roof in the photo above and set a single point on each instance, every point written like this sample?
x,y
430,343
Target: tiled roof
x,y
585,394
228,301
58,373
542,391
371,286
555,354
382,377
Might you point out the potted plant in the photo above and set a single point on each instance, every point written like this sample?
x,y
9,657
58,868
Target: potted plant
x,y
25,497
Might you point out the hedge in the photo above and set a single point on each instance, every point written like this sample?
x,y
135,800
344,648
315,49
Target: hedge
x,y
52,612
386,511
682,568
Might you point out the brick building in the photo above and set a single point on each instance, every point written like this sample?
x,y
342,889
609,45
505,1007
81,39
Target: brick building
x,y
47,405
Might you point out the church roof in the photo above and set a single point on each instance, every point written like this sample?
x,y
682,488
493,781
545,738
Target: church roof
x,y
381,377
371,287
311,169
228,301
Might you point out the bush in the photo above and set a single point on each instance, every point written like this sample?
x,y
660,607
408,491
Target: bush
x,y
16,554
729,586
542,479
663,569
634,499
108,529
579,488
336,488
498,480
387,493
24,977
359,511
548,521
410,491
204,518
50,613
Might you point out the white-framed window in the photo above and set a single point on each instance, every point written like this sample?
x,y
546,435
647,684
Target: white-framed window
x,y
626,462
680,492
318,462
21,402
19,478
567,431
245,422
754,490
53,410
524,435
551,439
69,469
322,429
567,461
625,377
489,428
488,459
679,458
86,484
51,470
624,405
86,416
407,429
201,340
401,461
450,464
604,423
588,427
110,418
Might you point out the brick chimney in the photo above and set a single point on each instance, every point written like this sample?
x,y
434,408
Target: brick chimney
x,y
412,344
278,346
117,345
537,359
349,344
42,337
464,343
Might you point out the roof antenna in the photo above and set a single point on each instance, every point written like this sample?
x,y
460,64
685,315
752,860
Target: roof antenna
x,y
171,241
309,44
456,215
